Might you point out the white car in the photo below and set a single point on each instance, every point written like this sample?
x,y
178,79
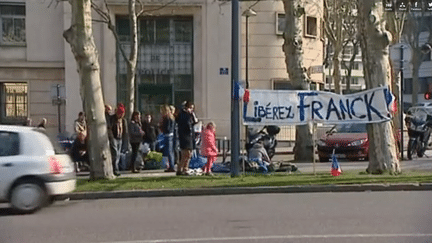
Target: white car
x,y
32,168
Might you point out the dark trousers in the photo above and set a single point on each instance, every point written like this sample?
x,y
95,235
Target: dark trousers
x,y
135,147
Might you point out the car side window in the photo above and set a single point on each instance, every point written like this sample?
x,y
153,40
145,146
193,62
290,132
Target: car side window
x,y
9,144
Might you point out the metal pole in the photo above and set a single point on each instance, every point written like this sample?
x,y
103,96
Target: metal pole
x,y
314,147
235,106
247,53
58,107
247,79
401,101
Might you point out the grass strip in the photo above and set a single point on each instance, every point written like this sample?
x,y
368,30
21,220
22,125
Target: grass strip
x,y
248,180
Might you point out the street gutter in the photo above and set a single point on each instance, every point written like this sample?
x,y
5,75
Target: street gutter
x,y
249,190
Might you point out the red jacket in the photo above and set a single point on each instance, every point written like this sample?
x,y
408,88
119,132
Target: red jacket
x,y
208,146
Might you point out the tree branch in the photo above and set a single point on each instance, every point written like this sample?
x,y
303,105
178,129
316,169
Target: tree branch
x,y
100,21
100,12
153,10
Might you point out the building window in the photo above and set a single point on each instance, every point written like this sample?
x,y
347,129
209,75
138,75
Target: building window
x,y
12,22
280,23
408,86
14,100
183,31
427,57
282,84
311,27
165,61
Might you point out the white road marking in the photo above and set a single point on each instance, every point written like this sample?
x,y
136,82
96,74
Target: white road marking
x,y
272,237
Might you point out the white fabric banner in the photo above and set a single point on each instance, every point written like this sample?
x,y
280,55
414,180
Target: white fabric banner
x,y
289,107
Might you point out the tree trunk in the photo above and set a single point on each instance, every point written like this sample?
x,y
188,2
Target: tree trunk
x,y
338,46
351,66
374,42
297,72
80,38
336,71
132,61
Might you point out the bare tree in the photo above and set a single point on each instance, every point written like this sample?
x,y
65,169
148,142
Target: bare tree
x,y
340,29
80,38
374,41
416,24
351,41
131,60
293,48
353,44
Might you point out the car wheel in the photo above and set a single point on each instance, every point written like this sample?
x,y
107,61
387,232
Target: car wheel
x,y
28,196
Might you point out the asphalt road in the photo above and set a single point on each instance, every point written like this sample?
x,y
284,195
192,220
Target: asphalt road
x,y
295,218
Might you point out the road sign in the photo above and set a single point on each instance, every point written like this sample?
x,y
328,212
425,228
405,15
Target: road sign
x,y
316,69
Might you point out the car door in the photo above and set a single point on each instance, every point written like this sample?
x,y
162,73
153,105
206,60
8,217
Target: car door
x,y
9,157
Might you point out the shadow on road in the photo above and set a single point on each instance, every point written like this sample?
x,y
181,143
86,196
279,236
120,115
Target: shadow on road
x,y
8,211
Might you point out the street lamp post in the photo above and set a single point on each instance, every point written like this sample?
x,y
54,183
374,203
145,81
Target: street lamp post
x,y
247,13
235,105
401,101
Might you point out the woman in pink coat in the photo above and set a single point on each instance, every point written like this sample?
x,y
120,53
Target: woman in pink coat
x,y
208,146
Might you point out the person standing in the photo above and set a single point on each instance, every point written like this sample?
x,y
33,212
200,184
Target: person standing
x,y
167,128
185,120
117,133
208,146
43,123
80,125
150,132
135,137
108,114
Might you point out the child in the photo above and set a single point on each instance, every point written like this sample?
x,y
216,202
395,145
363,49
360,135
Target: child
x,y
208,146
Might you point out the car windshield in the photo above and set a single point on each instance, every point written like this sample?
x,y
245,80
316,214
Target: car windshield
x,y
351,128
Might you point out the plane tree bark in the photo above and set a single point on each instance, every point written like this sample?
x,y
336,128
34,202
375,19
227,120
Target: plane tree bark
x,y
80,38
374,41
293,48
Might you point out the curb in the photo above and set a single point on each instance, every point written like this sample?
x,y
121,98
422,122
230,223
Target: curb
x,y
249,190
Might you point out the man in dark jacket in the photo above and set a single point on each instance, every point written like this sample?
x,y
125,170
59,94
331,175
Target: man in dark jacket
x,y
186,119
150,132
117,133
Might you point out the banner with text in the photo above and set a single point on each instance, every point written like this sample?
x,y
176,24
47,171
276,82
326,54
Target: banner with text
x,y
289,107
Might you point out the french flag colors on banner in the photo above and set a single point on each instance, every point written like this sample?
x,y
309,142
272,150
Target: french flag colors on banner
x,y
295,107
335,167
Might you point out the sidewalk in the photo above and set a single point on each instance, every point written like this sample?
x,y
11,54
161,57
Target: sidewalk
x,y
250,190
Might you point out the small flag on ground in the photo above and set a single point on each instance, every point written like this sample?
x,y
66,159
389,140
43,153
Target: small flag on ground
x,y
335,167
